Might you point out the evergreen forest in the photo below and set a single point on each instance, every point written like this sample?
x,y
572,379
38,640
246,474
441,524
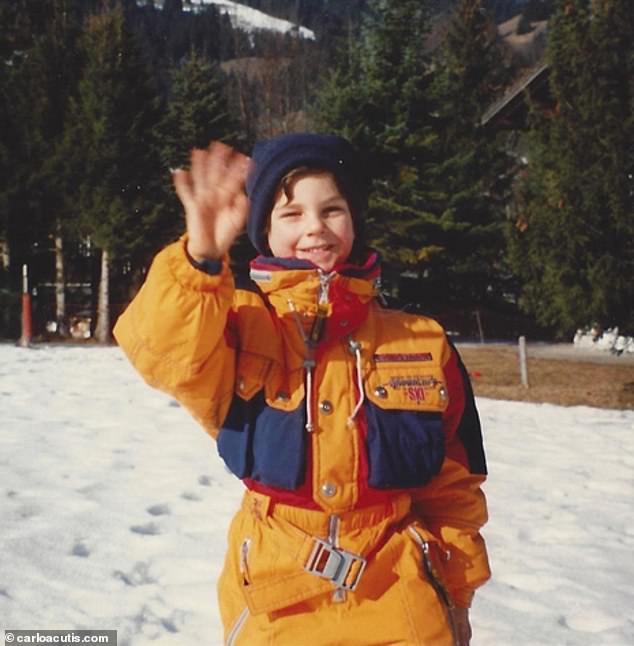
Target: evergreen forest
x,y
497,138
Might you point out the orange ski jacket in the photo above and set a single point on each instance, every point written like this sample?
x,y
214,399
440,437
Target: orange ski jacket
x,y
317,396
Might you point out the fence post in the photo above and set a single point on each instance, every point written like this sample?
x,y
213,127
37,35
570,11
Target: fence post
x,y
479,322
523,364
27,319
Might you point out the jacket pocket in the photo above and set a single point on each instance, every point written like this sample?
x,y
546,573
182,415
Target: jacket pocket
x,y
405,441
404,448
431,559
263,443
431,565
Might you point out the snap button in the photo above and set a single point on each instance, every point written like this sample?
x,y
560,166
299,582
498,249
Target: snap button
x,y
443,393
282,396
381,391
328,489
325,407
241,385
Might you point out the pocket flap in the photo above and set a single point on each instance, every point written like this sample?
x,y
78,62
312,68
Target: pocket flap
x,y
405,387
284,391
251,374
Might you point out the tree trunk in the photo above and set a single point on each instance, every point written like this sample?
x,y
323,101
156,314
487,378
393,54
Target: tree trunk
x,y
60,282
102,329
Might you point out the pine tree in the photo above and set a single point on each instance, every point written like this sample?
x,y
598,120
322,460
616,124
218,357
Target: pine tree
x,y
197,112
112,169
40,79
433,208
572,245
378,98
471,169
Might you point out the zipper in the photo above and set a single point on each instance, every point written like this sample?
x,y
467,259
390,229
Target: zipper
x,y
237,627
435,580
311,339
244,564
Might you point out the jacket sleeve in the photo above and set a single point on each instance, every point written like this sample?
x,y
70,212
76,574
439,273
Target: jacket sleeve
x,y
174,333
452,506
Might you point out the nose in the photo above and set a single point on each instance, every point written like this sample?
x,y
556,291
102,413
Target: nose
x,y
314,223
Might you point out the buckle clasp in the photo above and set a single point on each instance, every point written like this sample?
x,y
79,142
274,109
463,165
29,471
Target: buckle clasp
x,y
341,567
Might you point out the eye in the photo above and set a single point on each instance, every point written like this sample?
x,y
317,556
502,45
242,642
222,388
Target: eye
x,y
289,213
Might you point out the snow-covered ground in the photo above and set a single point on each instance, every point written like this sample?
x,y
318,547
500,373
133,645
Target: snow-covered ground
x,y
114,508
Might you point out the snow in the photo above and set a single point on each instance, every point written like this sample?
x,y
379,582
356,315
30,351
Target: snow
x,y
114,508
250,19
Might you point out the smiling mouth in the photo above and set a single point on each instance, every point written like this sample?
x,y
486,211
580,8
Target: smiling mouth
x,y
317,249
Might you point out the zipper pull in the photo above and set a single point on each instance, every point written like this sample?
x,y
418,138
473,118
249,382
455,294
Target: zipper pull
x,y
244,565
322,307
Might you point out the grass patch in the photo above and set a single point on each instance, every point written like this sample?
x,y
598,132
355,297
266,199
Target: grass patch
x,y
495,373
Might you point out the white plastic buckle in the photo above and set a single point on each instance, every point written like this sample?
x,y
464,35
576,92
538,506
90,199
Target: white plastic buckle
x,y
341,567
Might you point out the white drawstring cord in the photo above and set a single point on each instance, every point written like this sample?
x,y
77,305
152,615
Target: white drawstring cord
x,y
355,347
309,398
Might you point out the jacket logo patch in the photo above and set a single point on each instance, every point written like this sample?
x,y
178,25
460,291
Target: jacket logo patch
x,y
416,394
403,357
408,382
414,387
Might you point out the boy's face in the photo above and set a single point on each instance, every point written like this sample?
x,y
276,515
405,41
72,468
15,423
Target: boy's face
x,y
314,223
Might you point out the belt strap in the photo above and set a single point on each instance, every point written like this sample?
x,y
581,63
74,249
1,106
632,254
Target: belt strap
x,y
322,567
281,591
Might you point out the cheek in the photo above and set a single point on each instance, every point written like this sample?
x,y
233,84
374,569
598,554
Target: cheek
x,y
346,235
279,239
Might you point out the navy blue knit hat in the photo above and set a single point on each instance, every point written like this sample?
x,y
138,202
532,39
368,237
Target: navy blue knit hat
x,y
272,159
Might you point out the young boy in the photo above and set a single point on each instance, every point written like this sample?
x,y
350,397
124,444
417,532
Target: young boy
x,y
353,427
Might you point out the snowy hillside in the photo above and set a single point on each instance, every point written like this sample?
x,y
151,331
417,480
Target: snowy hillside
x,y
249,19
114,508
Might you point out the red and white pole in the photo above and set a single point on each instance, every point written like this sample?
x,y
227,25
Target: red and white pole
x,y
27,319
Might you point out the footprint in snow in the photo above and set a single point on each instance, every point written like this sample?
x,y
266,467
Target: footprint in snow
x,y
205,481
79,549
158,510
149,529
188,495
169,625
139,575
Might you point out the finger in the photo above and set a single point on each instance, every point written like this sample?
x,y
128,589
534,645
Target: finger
x,y
236,173
219,158
184,189
239,212
200,172
228,162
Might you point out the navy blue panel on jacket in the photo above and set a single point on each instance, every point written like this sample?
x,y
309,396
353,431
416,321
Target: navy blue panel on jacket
x,y
263,443
469,430
405,448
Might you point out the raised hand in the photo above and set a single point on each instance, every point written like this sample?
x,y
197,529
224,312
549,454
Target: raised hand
x,y
212,193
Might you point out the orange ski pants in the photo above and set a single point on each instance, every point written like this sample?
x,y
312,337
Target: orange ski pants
x,y
267,597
